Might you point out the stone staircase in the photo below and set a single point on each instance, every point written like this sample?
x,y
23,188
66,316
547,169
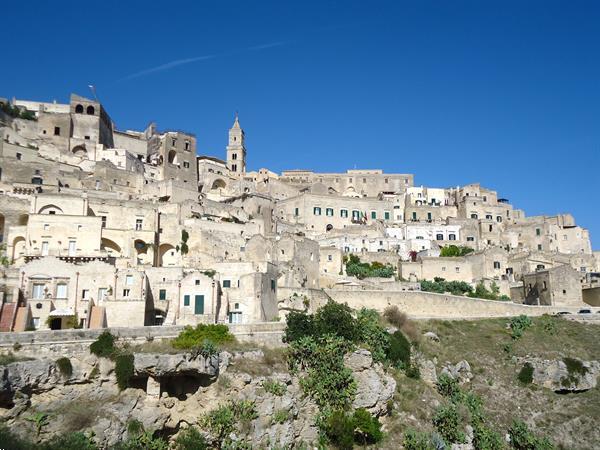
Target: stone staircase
x,y
98,317
7,316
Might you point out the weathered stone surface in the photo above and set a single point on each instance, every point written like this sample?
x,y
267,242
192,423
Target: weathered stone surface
x,y
159,365
432,336
460,371
554,374
428,371
373,387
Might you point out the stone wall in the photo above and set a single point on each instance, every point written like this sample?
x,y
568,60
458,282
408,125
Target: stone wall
x,y
423,305
57,343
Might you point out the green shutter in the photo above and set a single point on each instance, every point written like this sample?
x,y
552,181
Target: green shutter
x,y
186,300
162,294
199,304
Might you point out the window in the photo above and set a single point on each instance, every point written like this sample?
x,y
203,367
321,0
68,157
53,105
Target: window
x,y
72,248
61,290
498,218
385,180
186,300
38,291
45,246
496,264
373,215
386,215
18,156
329,212
443,268
296,212
538,232
474,216
273,285
355,214
470,238
329,257
564,237
197,282
491,228
539,247
102,293
429,216
226,283
126,292
187,145
317,211
56,131
85,294
544,285
173,142
138,224
79,109
488,216
439,237
234,167
457,269
234,156
46,226
129,280
103,218
344,213
452,237
90,110
162,294
186,165
414,215
235,317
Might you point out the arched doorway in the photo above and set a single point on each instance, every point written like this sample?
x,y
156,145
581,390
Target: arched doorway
x,y
172,157
18,247
110,247
50,209
79,150
143,252
167,255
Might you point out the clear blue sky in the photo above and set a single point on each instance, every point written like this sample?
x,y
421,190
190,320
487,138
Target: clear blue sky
x,y
506,93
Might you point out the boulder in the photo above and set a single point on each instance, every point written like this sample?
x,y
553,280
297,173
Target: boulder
x,y
160,365
460,371
374,388
432,336
559,376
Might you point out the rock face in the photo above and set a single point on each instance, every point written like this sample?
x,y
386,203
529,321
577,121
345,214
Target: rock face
x,y
170,392
564,374
373,387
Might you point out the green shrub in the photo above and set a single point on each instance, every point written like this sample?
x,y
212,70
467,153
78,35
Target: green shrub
x,y
190,439
575,369
455,251
124,369
299,324
336,318
518,325
372,334
208,349
441,286
526,374
327,381
220,422
364,270
274,387
339,430
194,337
398,352
64,367
548,324
484,438
448,423
447,386
70,441
521,438
367,429
415,440
104,346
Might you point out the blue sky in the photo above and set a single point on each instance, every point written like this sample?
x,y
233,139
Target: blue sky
x,y
506,93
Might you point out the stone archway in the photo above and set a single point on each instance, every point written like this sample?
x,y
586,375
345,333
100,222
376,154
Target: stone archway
x,y
167,255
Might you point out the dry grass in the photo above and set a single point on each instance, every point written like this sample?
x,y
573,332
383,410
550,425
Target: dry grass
x,y
273,360
567,419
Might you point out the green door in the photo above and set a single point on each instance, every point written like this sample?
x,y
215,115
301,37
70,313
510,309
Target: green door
x,y
199,304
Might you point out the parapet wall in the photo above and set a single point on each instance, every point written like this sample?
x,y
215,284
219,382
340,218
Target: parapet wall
x,y
58,342
428,305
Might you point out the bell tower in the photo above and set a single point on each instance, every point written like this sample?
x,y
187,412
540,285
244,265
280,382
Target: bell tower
x,y
236,151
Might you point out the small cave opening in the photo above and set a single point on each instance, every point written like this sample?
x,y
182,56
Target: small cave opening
x,y
139,383
184,384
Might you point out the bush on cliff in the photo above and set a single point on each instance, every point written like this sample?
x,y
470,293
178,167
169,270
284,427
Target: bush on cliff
x,y
192,337
104,346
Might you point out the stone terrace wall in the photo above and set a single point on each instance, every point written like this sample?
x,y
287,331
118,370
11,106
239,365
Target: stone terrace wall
x,y
45,343
425,305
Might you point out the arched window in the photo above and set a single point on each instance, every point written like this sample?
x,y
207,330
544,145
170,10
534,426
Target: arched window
x,y
79,109
172,157
90,110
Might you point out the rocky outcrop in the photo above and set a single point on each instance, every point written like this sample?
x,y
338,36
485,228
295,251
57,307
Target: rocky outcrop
x,y
564,375
373,387
160,365
460,371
